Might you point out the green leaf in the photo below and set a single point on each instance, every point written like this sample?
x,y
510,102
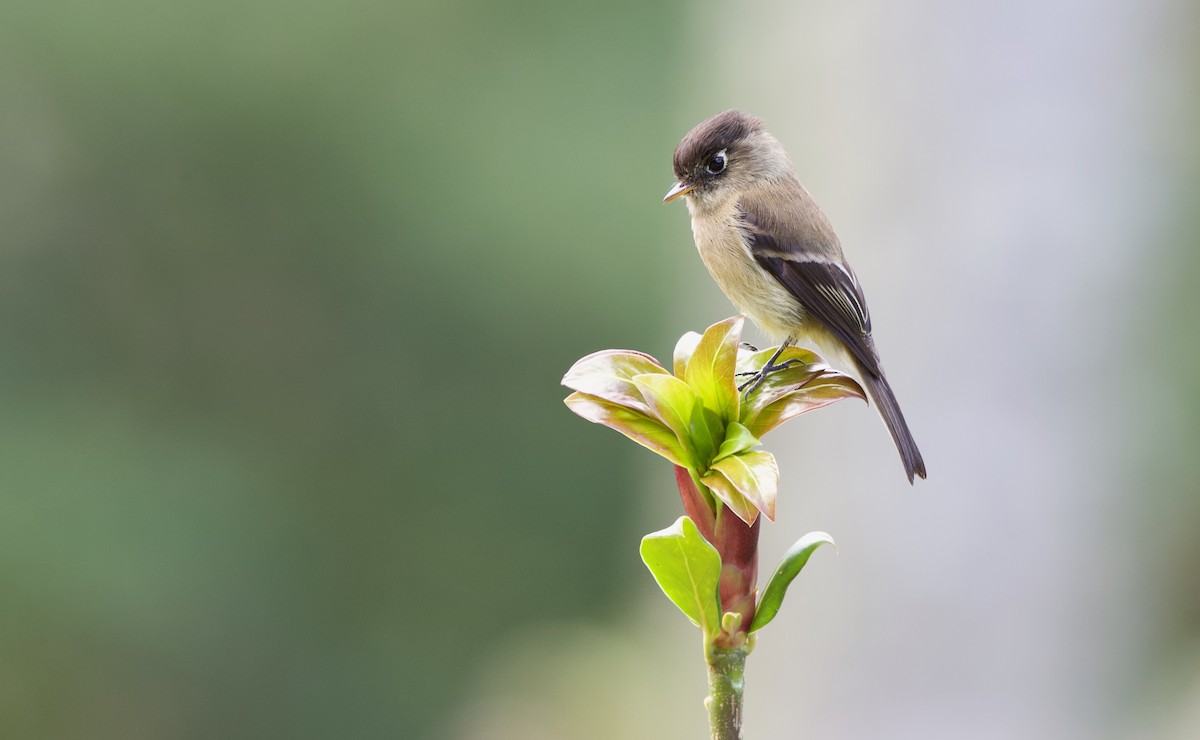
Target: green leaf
x,y
684,349
609,374
793,562
710,369
670,400
755,475
728,494
737,439
705,430
688,570
641,428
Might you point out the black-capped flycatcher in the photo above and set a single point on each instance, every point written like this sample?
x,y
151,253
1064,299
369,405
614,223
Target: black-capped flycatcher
x,y
775,255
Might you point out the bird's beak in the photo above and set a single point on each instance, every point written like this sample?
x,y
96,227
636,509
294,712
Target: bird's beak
x,y
678,189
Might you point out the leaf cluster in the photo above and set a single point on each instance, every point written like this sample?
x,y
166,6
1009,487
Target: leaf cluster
x,y
696,417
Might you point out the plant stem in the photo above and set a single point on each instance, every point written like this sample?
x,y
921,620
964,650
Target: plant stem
x,y
726,672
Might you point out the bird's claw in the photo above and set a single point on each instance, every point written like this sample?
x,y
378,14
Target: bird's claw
x,y
758,377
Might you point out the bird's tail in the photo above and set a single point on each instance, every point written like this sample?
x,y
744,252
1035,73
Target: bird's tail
x,y
885,402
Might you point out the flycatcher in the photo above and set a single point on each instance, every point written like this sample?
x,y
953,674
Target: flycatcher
x,y
775,255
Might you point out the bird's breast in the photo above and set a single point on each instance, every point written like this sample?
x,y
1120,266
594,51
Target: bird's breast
x,y
724,251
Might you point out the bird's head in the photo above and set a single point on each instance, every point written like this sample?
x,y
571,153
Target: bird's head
x,y
722,156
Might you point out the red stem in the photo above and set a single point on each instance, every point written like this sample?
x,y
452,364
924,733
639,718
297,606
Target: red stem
x,y
736,541
695,505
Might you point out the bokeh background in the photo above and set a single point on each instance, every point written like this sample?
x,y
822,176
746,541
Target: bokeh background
x,y
286,290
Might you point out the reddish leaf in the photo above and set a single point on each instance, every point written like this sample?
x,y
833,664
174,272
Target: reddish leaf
x,y
728,493
755,475
608,374
684,349
641,428
821,390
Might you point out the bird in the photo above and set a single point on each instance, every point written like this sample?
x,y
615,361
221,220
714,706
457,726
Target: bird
x,y
775,255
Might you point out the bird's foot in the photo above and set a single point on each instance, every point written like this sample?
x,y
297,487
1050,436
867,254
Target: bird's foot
x,y
757,378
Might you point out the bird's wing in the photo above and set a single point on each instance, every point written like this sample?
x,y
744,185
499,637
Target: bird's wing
x,y
806,259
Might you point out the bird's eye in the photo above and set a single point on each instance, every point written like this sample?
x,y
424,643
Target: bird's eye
x,y
716,165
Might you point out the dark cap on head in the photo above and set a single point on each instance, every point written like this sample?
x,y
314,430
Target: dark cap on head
x,y
722,131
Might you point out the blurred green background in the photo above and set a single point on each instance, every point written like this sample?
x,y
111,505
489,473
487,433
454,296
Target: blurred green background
x,y
286,290
286,293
